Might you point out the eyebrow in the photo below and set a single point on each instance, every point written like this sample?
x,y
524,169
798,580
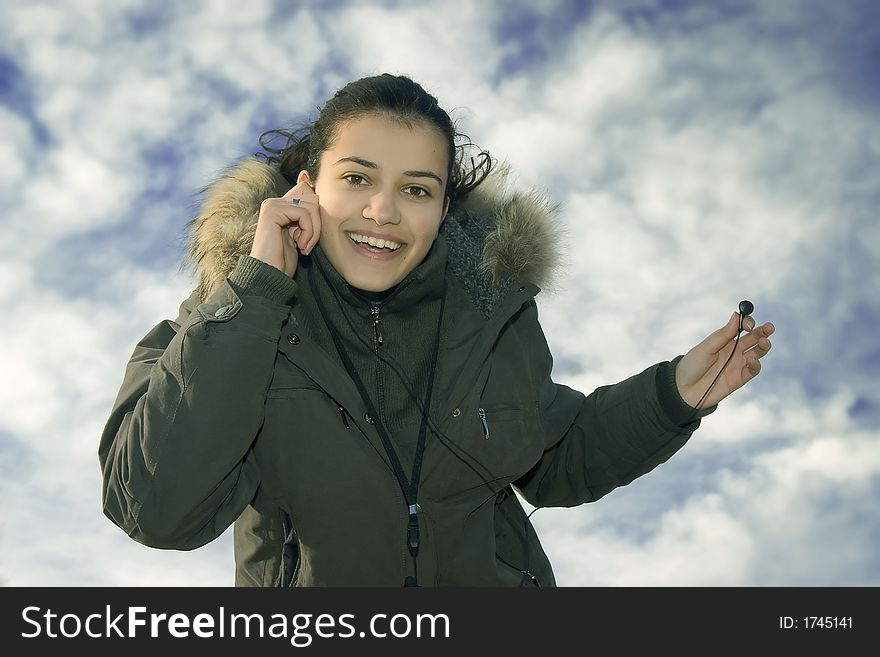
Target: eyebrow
x,y
372,165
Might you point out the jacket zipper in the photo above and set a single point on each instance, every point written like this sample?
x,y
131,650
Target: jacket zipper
x,y
485,423
531,576
377,334
377,343
525,572
342,415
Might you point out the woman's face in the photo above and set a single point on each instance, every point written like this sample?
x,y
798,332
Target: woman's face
x,y
380,191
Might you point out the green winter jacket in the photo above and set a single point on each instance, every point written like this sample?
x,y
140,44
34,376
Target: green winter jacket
x,y
237,413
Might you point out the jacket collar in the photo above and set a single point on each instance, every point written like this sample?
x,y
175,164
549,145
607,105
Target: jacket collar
x,y
424,283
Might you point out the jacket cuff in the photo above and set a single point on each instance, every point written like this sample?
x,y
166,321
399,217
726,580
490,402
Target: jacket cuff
x,y
677,409
253,277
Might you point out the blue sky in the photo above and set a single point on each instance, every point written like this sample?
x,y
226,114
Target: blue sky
x,y
701,153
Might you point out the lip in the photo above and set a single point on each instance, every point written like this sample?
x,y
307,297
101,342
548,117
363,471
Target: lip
x,y
364,250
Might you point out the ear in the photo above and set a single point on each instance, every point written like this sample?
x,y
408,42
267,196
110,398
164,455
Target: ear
x,y
303,177
445,209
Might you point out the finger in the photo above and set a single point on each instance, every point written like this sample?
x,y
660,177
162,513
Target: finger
x,y
289,241
315,211
291,206
310,222
753,367
305,215
306,229
281,212
308,193
760,348
718,339
300,190
757,338
311,231
298,212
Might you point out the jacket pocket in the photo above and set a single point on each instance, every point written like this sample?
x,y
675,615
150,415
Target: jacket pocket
x,y
279,392
288,381
490,415
502,438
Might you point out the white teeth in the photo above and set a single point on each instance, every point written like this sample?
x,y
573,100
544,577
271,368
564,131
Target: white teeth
x,y
374,241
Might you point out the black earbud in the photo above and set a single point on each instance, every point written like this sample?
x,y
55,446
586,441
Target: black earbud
x,y
746,308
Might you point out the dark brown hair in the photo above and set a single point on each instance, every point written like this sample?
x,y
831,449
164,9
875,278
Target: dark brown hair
x,y
395,96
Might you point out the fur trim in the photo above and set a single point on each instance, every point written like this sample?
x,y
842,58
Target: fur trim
x,y
520,240
525,242
227,221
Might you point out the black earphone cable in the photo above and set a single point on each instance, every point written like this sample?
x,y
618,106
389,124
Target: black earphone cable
x,y
746,308
409,486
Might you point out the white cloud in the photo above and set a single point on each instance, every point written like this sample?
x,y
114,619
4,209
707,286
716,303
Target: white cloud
x,y
63,358
65,351
694,169
17,144
783,517
75,193
419,41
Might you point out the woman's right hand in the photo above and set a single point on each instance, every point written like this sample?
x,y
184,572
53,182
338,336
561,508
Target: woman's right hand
x,y
282,228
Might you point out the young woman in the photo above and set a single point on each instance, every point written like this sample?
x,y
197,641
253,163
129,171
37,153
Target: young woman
x,y
359,381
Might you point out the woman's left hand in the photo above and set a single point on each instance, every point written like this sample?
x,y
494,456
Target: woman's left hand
x,y
699,367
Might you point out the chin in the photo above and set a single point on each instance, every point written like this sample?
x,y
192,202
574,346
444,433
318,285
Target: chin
x,y
373,289
371,283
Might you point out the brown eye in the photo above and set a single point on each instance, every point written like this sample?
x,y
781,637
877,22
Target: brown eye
x,y
417,192
355,180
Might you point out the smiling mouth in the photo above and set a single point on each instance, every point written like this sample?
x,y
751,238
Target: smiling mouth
x,y
374,242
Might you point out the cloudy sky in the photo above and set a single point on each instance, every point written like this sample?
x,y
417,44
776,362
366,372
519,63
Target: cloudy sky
x,y
702,153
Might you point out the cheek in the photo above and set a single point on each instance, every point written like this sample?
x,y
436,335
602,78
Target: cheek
x,y
330,220
326,228
427,234
426,227
331,207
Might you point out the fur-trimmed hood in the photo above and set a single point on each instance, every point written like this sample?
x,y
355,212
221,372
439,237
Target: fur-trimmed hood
x,y
496,235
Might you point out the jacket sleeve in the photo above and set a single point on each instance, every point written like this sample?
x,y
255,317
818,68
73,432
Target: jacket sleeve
x,y
176,454
595,443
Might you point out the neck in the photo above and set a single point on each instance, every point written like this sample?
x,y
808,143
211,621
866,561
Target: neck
x,y
424,282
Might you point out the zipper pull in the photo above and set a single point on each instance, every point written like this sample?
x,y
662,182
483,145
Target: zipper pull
x,y
344,419
412,530
531,576
485,423
375,312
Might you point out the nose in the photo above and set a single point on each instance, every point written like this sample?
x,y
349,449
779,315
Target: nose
x,y
382,208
